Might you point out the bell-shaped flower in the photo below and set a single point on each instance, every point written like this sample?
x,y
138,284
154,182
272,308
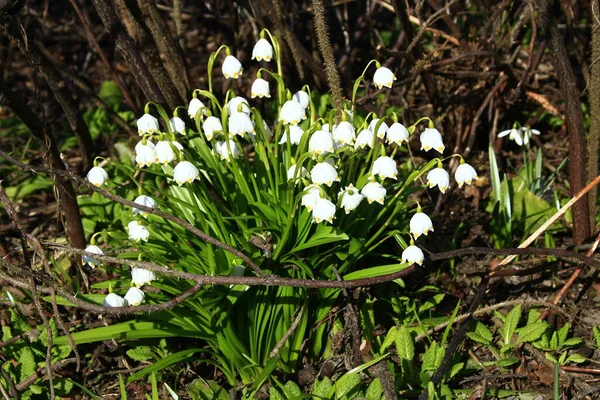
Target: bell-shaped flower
x,y
145,154
134,296
382,130
260,88
344,133
137,231
385,167
291,113
232,67
465,174
321,142
311,194
383,77
238,104
147,124
291,173
438,176
185,171
364,139
177,125
324,174
431,138
351,198
240,124
92,262
145,201
412,254
195,106
373,191
97,176
141,276
420,224
210,126
302,97
262,50
397,134
296,134
164,151
227,153
324,210
113,300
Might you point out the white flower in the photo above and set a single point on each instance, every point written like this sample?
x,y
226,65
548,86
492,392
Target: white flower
x,y
513,134
113,300
397,134
291,172
412,254
420,224
321,142
137,231
92,262
232,68
465,174
268,132
383,77
260,88
385,167
310,197
527,132
147,124
324,210
351,198
185,171
97,176
145,201
373,191
195,106
291,113
225,153
238,104
296,134
240,124
364,139
324,173
344,133
210,126
134,296
164,151
302,97
431,138
141,276
438,176
145,154
383,128
262,50
177,125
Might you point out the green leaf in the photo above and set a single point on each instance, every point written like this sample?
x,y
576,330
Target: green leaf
x,y
323,235
405,344
389,338
274,394
291,389
595,331
375,390
141,353
551,358
206,390
180,356
346,385
456,368
481,334
576,358
507,362
563,333
572,342
375,271
429,358
510,325
27,364
532,332
322,388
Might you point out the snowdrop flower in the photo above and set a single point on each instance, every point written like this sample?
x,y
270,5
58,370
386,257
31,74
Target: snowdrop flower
x,y
383,77
323,210
145,201
185,171
113,300
232,68
97,176
195,106
291,172
260,88
438,176
302,97
296,134
134,296
383,128
397,134
420,224
385,167
291,113
432,139
141,276
164,151
262,50
147,124
465,174
344,133
240,124
227,153
238,104
210,126
177,125
527,132
137,231
92,262
364,139
351,198
321,142
373,191
324,173
412,254
312,194
513,134
145,154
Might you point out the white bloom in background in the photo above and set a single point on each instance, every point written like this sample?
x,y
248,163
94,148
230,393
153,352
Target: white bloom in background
x,y
232,67
383,77
412,254
527,132
137,231
431,138
397,134
145,201
260,88
420,224
324,173
195,106
210,126
373,191
351,198
465,174
97,176
240,124
92,262
364,139
513,134
344,133
177,125
238,104
291,172
141,276
262,50
147,124
164,151
323,210
383,128
268,132
439,177
321,142
145,154
296,134
227,153
113,300
302,97
385,167
134,296
185,171
312,194
291,113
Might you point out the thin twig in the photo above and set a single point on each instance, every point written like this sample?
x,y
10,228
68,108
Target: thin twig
x,y
289,332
